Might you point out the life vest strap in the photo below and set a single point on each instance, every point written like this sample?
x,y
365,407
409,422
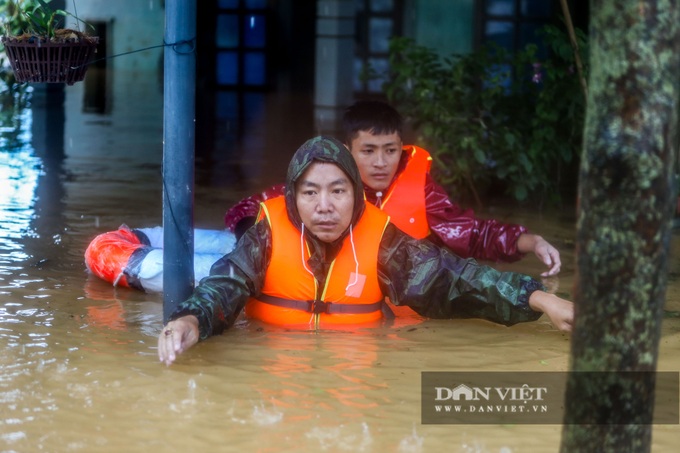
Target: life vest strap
x,y
319,306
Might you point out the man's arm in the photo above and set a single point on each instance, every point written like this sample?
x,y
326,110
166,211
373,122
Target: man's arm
x,y
439,284
560,311
466,235
219,298
483,239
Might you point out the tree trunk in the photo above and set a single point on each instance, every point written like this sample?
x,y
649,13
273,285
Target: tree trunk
x,y
626,203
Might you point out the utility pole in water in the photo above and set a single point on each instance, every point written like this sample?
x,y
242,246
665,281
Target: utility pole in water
x,y
178,152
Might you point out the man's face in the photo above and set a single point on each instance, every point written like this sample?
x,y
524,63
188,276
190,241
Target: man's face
x,y
324,196
377,157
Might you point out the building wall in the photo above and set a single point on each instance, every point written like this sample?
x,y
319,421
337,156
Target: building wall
x,y
129,88
446,26
132,25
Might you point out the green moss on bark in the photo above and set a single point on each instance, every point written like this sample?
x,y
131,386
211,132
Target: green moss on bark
x,y
626,203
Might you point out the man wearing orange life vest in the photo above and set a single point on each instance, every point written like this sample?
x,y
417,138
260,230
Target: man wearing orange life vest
x,y
321,256
397,180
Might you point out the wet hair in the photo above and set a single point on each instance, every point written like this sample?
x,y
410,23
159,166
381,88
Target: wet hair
x,y
376,117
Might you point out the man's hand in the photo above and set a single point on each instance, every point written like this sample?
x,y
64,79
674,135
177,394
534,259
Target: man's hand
x,y
545,252
560,311
176,337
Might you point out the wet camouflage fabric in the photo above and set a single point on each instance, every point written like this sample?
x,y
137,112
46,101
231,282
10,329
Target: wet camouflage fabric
x,y
432,281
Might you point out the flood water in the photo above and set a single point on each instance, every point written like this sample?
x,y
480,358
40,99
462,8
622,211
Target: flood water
x,y
78,363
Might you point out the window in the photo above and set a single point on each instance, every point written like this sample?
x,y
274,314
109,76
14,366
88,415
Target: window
x,y
376,22
240,39
233,78
513,24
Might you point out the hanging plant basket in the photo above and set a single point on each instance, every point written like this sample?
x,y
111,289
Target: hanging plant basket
x,y
41,61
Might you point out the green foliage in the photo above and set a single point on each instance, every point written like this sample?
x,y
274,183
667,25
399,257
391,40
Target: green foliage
x,y
28,18
35,17
491,118
14,23
43,19
13,97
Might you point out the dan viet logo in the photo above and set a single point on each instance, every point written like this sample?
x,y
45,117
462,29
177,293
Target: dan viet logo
x,y
468,397
491,399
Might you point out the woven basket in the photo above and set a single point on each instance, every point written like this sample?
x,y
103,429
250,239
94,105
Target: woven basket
x,y
50,62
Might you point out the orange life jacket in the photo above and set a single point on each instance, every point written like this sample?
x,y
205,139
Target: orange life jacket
x,y
291,295
405,201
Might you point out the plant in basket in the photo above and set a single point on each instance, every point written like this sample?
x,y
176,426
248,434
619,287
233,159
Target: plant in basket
x,y
43,50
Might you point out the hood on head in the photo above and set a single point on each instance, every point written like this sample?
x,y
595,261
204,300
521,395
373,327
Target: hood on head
x,y
322,149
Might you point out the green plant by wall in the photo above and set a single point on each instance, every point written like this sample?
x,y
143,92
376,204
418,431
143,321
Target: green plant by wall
x,y
35,18
493,119
13,23
12,19
14,98
35,21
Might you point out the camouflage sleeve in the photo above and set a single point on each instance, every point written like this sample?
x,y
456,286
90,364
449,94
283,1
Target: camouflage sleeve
x,y
438,284
219,298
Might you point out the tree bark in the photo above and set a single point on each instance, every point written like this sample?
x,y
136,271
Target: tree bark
x,y
626,204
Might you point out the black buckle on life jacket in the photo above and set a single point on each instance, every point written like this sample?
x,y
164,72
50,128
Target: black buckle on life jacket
x,y
318,306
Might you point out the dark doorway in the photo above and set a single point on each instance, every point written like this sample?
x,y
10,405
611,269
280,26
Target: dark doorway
x,y
97,94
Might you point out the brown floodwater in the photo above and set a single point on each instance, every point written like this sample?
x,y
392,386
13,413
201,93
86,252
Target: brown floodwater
x,y
78,363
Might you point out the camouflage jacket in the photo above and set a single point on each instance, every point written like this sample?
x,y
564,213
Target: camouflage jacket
x,y
432,281
429,279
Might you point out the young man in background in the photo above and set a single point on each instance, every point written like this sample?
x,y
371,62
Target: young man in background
x,y
397,180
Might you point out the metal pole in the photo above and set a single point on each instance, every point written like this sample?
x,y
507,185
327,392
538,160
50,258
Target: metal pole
x,y
178,152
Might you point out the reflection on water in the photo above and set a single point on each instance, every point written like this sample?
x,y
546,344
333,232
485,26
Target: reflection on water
x,y
19,171
78,364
